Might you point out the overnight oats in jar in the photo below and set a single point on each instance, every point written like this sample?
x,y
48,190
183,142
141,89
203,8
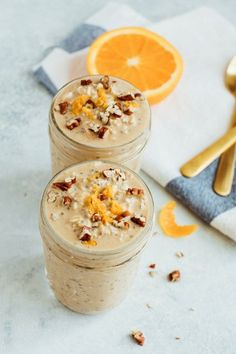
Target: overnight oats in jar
x,y
98,117
95,220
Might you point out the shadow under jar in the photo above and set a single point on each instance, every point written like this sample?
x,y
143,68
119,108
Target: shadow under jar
x,y
95,220
98,117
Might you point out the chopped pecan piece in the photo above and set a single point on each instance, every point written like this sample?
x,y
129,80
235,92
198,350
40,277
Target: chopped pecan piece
x,y
67,200
108,173
140,221
125,214
85,234
121,224
135,191
102,197
102,131
115,115
96,217
152,265
138,337
64,186
94,127
120,174
174,276
105,117
105,80
73,123
114,173
126,224
86,237
85,82
63,107
128,97
52,197
91,103
127,112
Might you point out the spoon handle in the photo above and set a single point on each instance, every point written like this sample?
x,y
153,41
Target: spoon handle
x,y
198,163
225,171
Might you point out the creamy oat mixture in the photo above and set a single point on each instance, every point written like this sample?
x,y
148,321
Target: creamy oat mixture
x,y
97,205
101,111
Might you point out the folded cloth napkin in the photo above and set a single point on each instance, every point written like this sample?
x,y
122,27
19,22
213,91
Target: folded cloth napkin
x,y
191,118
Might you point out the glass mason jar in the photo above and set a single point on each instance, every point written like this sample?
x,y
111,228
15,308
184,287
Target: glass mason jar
x,y
88,280
65,151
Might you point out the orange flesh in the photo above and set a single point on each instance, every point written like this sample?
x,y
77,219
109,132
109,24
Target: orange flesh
x,y
145,59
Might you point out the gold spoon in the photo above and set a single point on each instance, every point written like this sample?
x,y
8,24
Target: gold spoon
x,y
198,163
225,171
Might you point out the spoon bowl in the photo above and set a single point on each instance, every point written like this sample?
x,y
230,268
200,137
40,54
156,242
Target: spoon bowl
x,y
230,76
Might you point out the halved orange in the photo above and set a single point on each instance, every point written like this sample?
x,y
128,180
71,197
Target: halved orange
x,y
168,223
139,56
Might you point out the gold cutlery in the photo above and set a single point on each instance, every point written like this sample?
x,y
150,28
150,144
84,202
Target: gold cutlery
x,y
198,163
225,171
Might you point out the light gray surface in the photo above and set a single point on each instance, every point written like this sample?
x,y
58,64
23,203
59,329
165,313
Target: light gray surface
x,y
31,321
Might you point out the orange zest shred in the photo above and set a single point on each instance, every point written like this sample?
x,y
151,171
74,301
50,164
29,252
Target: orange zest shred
x,y
168,223
96,206
115,208
90,243
101,101
107,192
88,113
78,104
93,177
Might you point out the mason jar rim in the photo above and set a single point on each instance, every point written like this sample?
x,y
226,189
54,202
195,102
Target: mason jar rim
x,y
86,146
94,252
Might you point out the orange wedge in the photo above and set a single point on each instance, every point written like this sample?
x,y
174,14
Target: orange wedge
x,y
139,56
168,223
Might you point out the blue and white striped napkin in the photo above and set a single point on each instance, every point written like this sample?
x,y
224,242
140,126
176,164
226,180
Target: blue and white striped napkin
x,y
196,114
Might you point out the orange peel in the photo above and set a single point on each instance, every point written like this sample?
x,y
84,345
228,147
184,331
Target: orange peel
x,y
168,223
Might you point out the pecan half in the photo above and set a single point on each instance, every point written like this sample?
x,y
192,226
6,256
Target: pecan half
x,y
140,221
138,336
128,97
67,200
73,123
85,82
63,107
135,191
105,80
64,186
174,276
102,131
